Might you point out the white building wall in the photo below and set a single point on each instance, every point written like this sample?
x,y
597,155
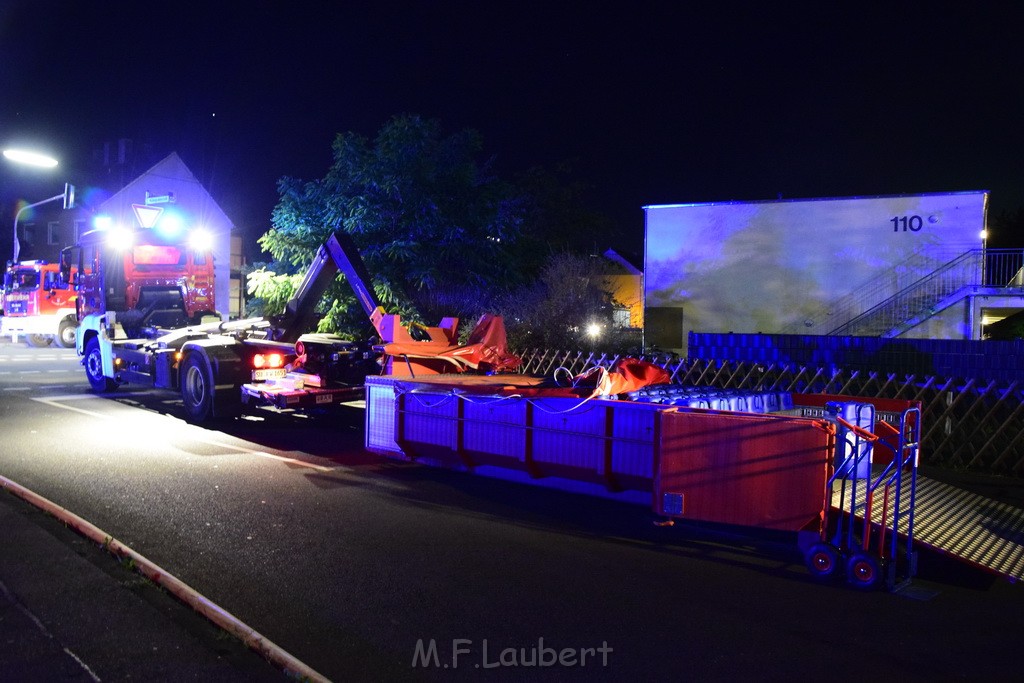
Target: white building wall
x,y
792,266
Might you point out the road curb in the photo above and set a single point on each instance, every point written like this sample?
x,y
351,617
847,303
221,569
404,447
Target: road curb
x,y
179,589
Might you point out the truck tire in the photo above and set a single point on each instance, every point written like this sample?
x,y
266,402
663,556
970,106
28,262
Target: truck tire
x,y
197,389
38,340
93,362
66,333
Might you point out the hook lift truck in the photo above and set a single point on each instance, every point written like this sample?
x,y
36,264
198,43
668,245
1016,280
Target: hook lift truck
x,y
219,368
693,457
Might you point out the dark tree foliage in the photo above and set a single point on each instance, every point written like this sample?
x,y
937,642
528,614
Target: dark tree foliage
x,y
561,209
438,231
558,310
443,236
1007,329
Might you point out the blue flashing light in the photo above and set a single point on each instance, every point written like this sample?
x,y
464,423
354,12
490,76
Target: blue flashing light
x,y
171,225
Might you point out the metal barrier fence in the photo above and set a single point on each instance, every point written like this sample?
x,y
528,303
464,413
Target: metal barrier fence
x,y
968,424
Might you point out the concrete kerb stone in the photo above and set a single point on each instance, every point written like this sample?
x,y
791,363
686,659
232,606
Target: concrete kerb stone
x,y
180,590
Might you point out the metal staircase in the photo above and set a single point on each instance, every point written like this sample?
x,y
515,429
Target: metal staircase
x,y
896,278
946,285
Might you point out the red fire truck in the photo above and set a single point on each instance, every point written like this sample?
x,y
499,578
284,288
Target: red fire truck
x,y
37,305
148,278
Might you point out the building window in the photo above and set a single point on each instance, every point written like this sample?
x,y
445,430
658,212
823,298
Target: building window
x,y
79,229
620,317
53,232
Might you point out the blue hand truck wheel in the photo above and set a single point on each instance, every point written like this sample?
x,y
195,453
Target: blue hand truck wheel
x,y
863,570
823,561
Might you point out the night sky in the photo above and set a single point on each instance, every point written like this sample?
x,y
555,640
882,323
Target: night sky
x,y
654,103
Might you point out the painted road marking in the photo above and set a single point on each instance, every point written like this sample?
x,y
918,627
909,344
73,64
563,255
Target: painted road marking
x,y
60,402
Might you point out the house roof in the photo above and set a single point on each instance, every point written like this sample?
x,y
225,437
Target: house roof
x,y
172,169
626,262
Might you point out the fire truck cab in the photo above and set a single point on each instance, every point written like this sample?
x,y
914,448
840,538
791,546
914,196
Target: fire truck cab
x,y
149,278
38,305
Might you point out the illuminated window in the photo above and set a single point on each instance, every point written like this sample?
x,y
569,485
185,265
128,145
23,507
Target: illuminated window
x,y
620,317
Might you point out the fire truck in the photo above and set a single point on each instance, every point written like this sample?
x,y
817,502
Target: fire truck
x,y
38,305
222,367
152,279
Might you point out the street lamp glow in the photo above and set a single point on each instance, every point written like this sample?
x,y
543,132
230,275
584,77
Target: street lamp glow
x,y
22,156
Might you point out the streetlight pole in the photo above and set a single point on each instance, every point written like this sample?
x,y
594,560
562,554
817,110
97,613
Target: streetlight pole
x,y
30,158
68,195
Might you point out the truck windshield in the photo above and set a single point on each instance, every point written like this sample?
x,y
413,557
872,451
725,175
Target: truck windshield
x,y
23,279
157,255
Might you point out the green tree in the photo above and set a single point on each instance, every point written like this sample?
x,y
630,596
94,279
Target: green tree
x,y
268,291
437,229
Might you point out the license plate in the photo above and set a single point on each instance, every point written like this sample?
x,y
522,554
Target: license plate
x,y
268,373
323,398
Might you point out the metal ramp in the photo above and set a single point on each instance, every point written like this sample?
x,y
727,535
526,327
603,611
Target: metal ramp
x,y
966,525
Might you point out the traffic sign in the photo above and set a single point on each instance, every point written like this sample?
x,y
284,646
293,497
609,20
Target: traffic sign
x,y
159,199
147,215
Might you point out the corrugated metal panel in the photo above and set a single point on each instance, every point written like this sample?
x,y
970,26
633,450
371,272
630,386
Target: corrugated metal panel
x,y
633,441
568,434
495,427
744,469
380,419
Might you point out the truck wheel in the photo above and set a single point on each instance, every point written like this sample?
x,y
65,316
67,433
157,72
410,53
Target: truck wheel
x,y
94,367
197,388
38,340
66,333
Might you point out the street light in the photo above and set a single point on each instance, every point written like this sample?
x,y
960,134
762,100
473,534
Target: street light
x,y
984,255
23,156
29,158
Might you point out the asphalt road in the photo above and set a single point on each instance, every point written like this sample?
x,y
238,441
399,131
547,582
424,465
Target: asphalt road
x,y
369,569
